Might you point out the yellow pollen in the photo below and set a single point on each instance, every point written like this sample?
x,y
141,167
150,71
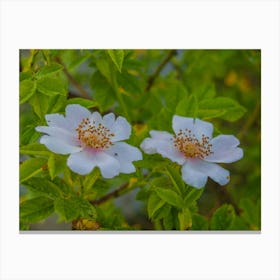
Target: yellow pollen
x,y
186,143
96,137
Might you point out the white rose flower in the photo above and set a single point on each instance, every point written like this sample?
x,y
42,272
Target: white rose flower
x,y
91,141
193,147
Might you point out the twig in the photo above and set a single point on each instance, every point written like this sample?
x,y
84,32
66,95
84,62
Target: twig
x,y
81,90
113,194
158,70
250,121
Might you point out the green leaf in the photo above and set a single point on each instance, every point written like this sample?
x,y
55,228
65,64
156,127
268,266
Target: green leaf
x,y
205,91
170,197
176,179
107,71
27,75
224,107
117,57
90,179
223,218
168,221
71,208
154,203
43,187
27,89
188,106
67,209
52,86
29,134
84,102
35,210
31,167
56,164
35,149
199,222
251,213
40,104
185,219
49,70
193,195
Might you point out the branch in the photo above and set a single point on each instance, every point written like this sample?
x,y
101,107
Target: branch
x,y
113,194
81,90
250,121
158,70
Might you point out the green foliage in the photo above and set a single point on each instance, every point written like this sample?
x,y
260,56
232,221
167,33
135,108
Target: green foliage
x,y
222,86
35,209
117,57
31,167
71,208
27,89
223,218
43,187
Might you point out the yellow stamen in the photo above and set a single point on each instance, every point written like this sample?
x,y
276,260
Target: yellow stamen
x,y
96,137
190,146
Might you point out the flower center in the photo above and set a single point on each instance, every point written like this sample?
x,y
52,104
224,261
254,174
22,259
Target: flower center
x,y
96,137
190,146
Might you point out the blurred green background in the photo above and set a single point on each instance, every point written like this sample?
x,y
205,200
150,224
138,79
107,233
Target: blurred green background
x,y
151,87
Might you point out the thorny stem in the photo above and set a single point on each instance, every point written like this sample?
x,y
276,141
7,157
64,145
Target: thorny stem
x,y
158,70
81,90
113,194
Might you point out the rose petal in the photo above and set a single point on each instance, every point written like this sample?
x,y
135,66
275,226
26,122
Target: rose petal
x,y
149,146
192,176
182,123
214,171
121,129
224,148
167,149
125,154
109,166
81,163
58,146
96,118
108,120
59,133
202,128
196,126
57,120
161,135
75,113
162,143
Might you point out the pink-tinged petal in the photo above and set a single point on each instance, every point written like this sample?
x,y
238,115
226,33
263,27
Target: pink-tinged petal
x,y
75,113
109,166
81,163
212,170
182,123
192,176
202,128
59,146
125,154
57,120
224,148
121,129
108,120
